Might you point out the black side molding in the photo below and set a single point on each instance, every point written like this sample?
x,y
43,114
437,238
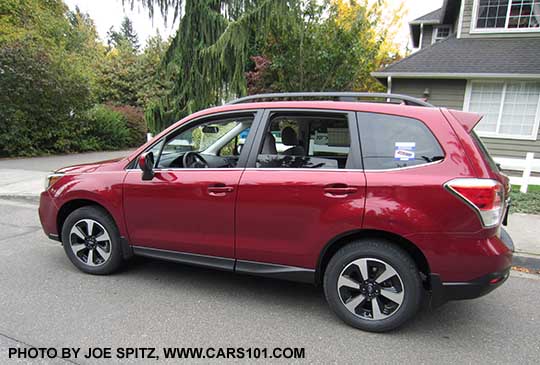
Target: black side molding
x,y
284,272
220,263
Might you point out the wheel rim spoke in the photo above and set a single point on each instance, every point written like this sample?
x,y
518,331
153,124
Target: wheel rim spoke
x,y
348,282
386,274
104,255
355,302
89,226
78,232
393,296
90,259
376,309
362,265
78,247
102,237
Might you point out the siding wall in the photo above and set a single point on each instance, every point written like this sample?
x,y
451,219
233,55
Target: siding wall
x,y
444,93
427,36
512,147
468,18
451,94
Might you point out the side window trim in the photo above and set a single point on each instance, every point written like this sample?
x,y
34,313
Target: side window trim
x,y
354,160
242,160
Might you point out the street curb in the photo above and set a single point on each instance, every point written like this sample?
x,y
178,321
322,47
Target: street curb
x,y
528,262
32,199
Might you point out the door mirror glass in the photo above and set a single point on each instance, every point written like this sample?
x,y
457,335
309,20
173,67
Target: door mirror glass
x,y
146,164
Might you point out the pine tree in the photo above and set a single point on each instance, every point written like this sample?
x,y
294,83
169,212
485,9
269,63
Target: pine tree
x,y
210,51
126,36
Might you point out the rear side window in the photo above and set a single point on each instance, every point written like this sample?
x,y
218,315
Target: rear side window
x,y
390,142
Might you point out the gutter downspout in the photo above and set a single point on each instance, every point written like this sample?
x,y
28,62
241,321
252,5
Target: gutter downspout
x,y
421,35
389,84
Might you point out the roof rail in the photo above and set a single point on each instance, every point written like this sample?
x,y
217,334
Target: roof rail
x,y
341,96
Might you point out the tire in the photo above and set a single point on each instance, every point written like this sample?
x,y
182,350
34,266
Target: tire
x,y
98,252
366,304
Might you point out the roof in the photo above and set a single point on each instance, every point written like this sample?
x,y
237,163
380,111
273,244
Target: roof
x,y
465,56
433,18
447,14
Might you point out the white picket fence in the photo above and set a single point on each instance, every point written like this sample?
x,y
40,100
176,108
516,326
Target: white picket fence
x,y
527,166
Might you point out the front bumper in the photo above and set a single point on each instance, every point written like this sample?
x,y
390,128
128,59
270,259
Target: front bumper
x,y
442,292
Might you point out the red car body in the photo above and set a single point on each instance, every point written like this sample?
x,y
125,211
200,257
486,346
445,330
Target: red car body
x,y
296,218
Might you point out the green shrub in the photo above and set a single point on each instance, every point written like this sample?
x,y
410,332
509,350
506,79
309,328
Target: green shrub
x,y
135,122
41,100
104,129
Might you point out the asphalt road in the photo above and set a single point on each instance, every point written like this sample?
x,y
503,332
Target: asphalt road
x,y
46,302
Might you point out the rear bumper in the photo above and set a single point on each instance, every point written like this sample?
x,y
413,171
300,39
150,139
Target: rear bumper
x,y
442,292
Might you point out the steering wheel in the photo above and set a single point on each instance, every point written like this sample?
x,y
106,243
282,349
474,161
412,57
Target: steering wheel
x,y
193,159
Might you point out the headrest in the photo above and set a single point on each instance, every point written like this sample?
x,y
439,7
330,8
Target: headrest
x,y
289,137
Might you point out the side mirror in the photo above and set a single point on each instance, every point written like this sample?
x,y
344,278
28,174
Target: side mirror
x,y
146,163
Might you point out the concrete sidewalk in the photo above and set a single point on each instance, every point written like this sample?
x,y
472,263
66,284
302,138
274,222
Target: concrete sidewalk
x,y
24,178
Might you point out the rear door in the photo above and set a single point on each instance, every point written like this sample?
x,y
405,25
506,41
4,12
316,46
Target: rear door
x,y
303,186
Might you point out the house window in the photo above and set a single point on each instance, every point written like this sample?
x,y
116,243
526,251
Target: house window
x,y
441,32
511,109
508,14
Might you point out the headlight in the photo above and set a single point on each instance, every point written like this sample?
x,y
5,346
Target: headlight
x,y
51,179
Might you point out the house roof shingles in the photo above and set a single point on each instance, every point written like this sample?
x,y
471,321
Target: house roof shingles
x,y
472,55
434,16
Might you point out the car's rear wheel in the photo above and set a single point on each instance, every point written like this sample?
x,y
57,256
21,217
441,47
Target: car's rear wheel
x,y
91,241
373,285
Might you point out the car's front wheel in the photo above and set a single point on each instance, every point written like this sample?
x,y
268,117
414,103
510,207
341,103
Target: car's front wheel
x,y
91,241
373,285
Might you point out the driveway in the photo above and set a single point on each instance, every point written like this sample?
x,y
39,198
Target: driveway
x,y
45,301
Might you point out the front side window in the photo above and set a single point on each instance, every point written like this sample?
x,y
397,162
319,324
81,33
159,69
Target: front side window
x,y
508,14
390,142
305,141
510,108
209,144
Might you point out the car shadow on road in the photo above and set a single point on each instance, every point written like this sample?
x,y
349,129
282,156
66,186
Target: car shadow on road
x,y
298,297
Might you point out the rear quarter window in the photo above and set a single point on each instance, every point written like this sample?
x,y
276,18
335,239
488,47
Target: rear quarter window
x,y
392,142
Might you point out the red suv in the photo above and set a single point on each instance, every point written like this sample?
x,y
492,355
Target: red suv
x,y
378,201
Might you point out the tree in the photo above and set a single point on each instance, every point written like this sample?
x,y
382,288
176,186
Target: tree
x,y
333,46
210,50
125,37
223,46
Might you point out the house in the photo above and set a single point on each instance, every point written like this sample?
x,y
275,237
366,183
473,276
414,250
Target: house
x,y
481,56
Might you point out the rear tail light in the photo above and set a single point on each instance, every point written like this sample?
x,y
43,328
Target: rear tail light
x,y
483,195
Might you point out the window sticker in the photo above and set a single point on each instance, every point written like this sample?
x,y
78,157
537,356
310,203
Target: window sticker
x,y
404,151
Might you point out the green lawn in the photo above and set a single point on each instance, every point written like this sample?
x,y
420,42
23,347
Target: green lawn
x,y
525,203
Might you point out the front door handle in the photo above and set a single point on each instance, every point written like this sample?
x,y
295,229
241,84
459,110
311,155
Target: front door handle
x,y
219,189
339,190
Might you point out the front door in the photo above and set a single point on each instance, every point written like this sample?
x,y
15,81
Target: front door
x,y
189,204
303,186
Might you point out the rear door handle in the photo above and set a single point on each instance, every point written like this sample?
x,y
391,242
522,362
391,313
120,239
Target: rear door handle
x,y
339,190
219,189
